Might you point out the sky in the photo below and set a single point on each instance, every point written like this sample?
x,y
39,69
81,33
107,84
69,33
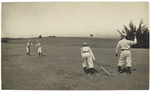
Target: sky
x,y
70,19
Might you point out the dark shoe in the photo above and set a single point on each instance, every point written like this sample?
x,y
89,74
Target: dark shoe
x,y
119,70
28,53
92,72
128,70
85,70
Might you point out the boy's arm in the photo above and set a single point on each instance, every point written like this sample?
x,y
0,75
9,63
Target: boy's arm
x,y
92,54
133,42
81,51
117,48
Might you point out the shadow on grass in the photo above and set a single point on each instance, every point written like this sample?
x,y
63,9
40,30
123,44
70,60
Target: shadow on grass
x,y
124,70
89,71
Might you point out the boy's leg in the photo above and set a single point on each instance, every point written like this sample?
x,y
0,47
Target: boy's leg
x,y
129,61
85,70
119,69
27,50
91,66
84,64
90,62
40,51
121,61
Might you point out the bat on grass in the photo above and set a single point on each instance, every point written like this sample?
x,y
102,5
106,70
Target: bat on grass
x,y
103,69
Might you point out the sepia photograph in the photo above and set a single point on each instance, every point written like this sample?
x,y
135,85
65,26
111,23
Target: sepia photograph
x,y
68,45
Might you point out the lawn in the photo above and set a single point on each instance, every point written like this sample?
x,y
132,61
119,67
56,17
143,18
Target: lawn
x,y
61,67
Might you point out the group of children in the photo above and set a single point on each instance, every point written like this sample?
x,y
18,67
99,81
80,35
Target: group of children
x,y
38,45
125,55
88,57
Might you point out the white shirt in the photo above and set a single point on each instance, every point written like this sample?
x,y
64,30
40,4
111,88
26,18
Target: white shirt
x,y
125,44
28,44
87,49
39,44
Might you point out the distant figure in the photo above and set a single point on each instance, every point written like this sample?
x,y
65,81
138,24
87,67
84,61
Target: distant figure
x,y
28,47
40,36
39,48
87,57
125,54
91,35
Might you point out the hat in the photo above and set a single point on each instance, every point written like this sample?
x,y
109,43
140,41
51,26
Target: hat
x,y
123,35
84,43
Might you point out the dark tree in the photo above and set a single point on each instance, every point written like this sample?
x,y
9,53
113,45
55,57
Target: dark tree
x,y
142,34
40,36
91,35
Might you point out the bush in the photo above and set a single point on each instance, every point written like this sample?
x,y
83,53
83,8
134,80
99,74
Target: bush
x,y
142,34
40,36
4,40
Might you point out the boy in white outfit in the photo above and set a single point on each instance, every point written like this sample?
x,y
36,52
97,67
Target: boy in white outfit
x,y
87,57
28,48
125,54
39,48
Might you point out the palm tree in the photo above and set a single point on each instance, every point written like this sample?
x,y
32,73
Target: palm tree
x,y
142,34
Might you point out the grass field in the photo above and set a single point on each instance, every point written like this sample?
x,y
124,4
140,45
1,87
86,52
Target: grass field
x,y
61,68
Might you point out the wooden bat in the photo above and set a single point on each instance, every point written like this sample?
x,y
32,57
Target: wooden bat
x,y
103,69
106,71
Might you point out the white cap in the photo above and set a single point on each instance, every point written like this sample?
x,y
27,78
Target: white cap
x,y
84,43
123,35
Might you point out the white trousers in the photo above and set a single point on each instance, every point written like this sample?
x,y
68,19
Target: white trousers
x,y
28,49
39,50
125,56
87,58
